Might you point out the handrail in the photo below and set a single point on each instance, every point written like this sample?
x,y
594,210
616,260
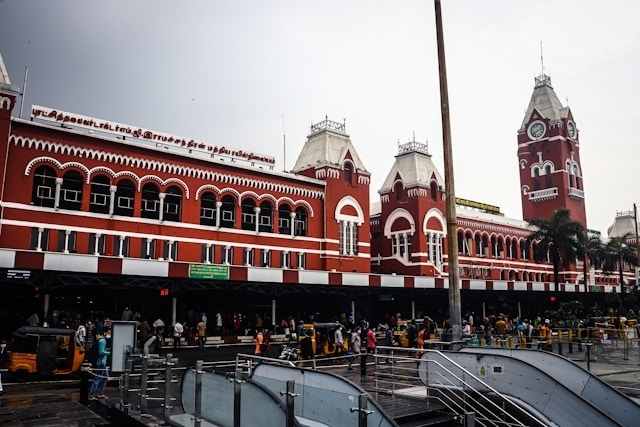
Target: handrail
x,y
466,372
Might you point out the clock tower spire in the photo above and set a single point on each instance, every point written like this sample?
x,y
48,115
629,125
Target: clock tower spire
x,y
549,157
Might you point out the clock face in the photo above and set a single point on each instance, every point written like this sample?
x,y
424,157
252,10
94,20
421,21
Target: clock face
x,y
537,129
571,129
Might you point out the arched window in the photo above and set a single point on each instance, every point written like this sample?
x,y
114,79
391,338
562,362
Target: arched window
x,y
398,189
71,191
208,209
266,217
300,223
434,190
100,194
125,197
478,241
248,214
172,204
228,212
547,172
347,172
514,248
150,201
461,244
536,172
284,221
44,187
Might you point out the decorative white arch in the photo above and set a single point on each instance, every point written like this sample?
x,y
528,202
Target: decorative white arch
x,y
249,193
396,214
269,197
127,174
146,178
434,213
232,191
41,160
349,201
285,199
76,165
100,169
206,187
180,183
308,206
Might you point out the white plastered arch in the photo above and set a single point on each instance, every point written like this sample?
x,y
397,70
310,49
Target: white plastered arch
x,y
434,213
349,201
397,214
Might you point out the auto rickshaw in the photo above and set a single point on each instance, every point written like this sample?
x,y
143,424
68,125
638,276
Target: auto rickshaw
x,y
321,335
45,351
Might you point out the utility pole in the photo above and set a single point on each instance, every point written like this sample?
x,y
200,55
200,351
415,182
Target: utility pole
x,y
455,315
635,218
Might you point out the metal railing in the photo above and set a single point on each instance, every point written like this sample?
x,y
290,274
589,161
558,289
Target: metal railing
x,y
432,375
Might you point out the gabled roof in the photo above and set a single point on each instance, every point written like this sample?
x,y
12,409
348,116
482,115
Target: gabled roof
x,y
545,102
415,168
327,147
5,81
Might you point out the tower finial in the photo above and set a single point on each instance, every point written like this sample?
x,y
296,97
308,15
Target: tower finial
x,y
541,60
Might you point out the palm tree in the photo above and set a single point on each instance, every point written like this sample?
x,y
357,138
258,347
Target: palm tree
x,y
617,253
557,240
591,250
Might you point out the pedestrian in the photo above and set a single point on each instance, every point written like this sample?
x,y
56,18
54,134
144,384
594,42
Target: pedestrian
x,y
355,345
158,329
3,356
81,337
339,341
127,314
259,341
178,330
371,341
202,334
100,374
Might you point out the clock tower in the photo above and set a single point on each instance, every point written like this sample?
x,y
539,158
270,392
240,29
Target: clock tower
x,y
549,157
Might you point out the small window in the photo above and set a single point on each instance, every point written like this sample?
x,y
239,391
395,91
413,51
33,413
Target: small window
x,y
148,250
170,250
266,258
208,252
302,260
284,259
96,247
347,173
228,255
117,250
248,256
66,241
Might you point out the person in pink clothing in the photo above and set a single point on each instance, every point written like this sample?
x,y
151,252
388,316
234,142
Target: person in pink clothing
x,y
371,341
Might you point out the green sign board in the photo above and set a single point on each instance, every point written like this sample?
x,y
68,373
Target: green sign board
x,y
595,288
209,271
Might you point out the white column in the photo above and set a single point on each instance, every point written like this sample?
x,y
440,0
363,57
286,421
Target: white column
x,y
57,196
66,241
257,211
45,304
112,198
207,256
293,218
218,206
96,244
40,231
406,246
273,312
413,310
121,249
174,305
148,251
161,214
169,255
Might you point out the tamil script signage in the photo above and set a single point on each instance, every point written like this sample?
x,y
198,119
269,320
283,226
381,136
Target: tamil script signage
x,y
209,271
106,126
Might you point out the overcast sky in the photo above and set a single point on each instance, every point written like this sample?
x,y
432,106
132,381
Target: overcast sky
x,y
227,71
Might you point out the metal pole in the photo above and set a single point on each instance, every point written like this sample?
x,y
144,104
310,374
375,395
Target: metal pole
x,y
588,345
635,216
166,406
290,400
174,304
273,312
455,317
413,310
197,422
142,394
237,402
84,382
126,382
24,88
